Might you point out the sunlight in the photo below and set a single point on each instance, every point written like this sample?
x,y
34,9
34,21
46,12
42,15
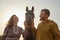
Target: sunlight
x,y
20,14
21,38
5,18
18,7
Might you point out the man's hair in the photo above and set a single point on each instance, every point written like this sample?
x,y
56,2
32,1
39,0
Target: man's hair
x,y
46,11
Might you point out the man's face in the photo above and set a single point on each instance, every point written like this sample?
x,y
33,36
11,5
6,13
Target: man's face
x,y
43,15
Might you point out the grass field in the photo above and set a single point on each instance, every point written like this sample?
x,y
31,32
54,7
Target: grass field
x,y
0,37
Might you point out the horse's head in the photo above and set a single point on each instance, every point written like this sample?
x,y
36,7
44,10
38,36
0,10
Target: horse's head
x,y
29,14
30,11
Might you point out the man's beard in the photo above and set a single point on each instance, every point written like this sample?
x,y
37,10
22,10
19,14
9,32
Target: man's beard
x,y
41,19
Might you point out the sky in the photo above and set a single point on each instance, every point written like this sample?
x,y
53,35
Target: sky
x,y
18,7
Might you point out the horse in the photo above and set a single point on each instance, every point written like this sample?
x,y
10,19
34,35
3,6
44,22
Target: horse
x,y
30,31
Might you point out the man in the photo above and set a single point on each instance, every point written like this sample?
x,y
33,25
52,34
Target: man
x,y
47,29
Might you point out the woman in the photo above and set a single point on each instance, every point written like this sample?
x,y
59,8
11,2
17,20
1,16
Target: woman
x,y
12,30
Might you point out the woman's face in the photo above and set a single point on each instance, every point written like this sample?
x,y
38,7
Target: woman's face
x,y
15,20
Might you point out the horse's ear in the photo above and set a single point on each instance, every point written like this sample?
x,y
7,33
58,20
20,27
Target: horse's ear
x,y
27,8
33,8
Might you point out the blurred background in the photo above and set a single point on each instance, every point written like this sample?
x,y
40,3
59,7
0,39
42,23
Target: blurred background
x,y
18,7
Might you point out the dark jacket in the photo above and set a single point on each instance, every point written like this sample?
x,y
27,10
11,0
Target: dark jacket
x,y
12,33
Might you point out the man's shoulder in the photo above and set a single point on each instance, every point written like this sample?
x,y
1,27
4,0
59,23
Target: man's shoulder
x,y
53,22
39,23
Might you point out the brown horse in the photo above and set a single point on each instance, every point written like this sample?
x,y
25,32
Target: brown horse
x,y
30,31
